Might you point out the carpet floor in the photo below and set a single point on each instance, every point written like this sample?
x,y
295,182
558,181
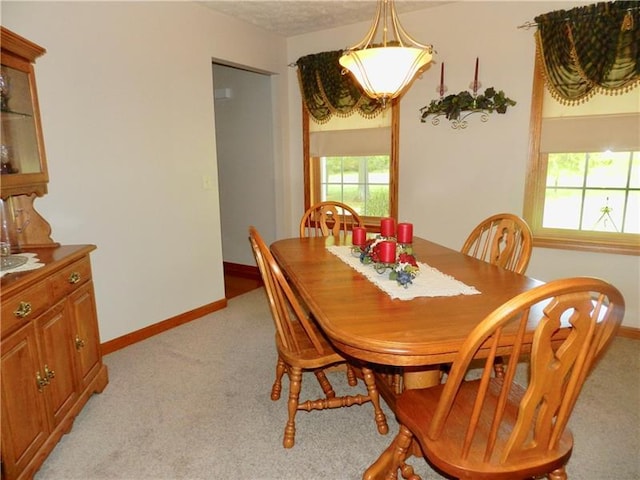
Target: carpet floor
x,y
193,403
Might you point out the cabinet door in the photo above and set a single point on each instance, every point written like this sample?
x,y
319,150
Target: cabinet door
x,y
25,425
57,357
86,335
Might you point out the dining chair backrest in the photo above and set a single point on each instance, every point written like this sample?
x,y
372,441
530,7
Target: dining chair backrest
x,y
505,423
328,219
503,239
283,303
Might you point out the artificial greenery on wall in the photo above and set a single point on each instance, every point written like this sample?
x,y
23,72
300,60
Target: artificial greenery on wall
x,y
453,106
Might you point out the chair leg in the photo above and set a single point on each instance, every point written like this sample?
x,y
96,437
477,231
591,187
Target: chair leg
x,y
295,385
281,367
324,383
393,458
351,376
370,382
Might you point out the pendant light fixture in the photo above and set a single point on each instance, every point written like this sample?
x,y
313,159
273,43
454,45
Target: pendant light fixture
x,y
385,64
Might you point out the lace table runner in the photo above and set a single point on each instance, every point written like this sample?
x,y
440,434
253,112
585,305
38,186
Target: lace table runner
x,y
31,263
430,282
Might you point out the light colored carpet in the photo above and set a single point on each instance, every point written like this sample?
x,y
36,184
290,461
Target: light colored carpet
x,y
193,403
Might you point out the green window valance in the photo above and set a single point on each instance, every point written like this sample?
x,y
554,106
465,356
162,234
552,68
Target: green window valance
x,y
590,49
326,91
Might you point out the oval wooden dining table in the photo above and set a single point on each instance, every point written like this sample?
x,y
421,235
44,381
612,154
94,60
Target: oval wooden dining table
x,y
363,321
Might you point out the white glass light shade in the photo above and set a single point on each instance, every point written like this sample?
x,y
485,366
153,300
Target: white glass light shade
x,y
384,72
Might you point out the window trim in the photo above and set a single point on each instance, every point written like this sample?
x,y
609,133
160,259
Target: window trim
x,y
372,223
535,184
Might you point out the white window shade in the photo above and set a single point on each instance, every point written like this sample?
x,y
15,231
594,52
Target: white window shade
x,y
345,143
351,136
593,133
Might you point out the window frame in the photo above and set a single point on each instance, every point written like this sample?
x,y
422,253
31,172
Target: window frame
x,y
313,171
534,195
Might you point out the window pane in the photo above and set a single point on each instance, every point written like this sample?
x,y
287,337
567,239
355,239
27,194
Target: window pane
x,y
634,181
608,169
632,219
566,169
351,169
562,208
603,210
378,201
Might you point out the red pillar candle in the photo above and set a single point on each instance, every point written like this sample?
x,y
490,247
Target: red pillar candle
x,y
359,236
405,232
387,227
387,251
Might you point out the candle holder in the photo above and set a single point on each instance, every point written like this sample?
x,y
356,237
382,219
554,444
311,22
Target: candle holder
x,y
404,267
381,267
457,107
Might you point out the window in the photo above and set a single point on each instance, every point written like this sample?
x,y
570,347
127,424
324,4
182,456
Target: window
x,y
362,182
583,183
353,160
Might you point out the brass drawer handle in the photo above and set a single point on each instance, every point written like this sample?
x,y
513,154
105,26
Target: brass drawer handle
x,y
41,382
24,309
79,343
49,373
74,278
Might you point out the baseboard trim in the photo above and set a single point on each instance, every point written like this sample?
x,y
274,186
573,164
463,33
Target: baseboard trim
x,y
629,332
240,270
147,332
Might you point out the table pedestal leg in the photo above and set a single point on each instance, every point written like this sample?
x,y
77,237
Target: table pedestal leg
x,y
426,377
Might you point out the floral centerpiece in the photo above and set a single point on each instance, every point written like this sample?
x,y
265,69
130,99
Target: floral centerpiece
x,y
404,267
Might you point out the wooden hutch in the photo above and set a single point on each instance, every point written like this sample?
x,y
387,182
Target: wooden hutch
x,y
50,344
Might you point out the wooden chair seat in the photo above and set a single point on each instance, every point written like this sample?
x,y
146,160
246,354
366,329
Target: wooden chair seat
x,y
307,356
417,408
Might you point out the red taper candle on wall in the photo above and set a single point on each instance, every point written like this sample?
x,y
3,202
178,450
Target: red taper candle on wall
x,y
405,233
387,227
475,78
359,236
387,251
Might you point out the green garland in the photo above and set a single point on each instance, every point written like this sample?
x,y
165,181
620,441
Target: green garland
x,y
452,106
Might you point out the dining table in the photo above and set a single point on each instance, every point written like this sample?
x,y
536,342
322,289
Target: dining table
x,y
416,335
405,335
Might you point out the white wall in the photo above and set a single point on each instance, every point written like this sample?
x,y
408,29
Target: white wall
x,y
128,117
451,179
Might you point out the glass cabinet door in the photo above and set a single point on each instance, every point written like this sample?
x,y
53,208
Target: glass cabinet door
x,y
22,160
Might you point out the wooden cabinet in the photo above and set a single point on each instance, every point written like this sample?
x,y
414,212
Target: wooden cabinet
x,y
23,165
50,355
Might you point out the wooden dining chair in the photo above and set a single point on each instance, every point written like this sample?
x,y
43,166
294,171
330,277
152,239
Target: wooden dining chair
x,y
503,239
495,428
328,218
303,348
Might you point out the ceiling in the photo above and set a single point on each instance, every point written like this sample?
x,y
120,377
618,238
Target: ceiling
x,y
292,17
